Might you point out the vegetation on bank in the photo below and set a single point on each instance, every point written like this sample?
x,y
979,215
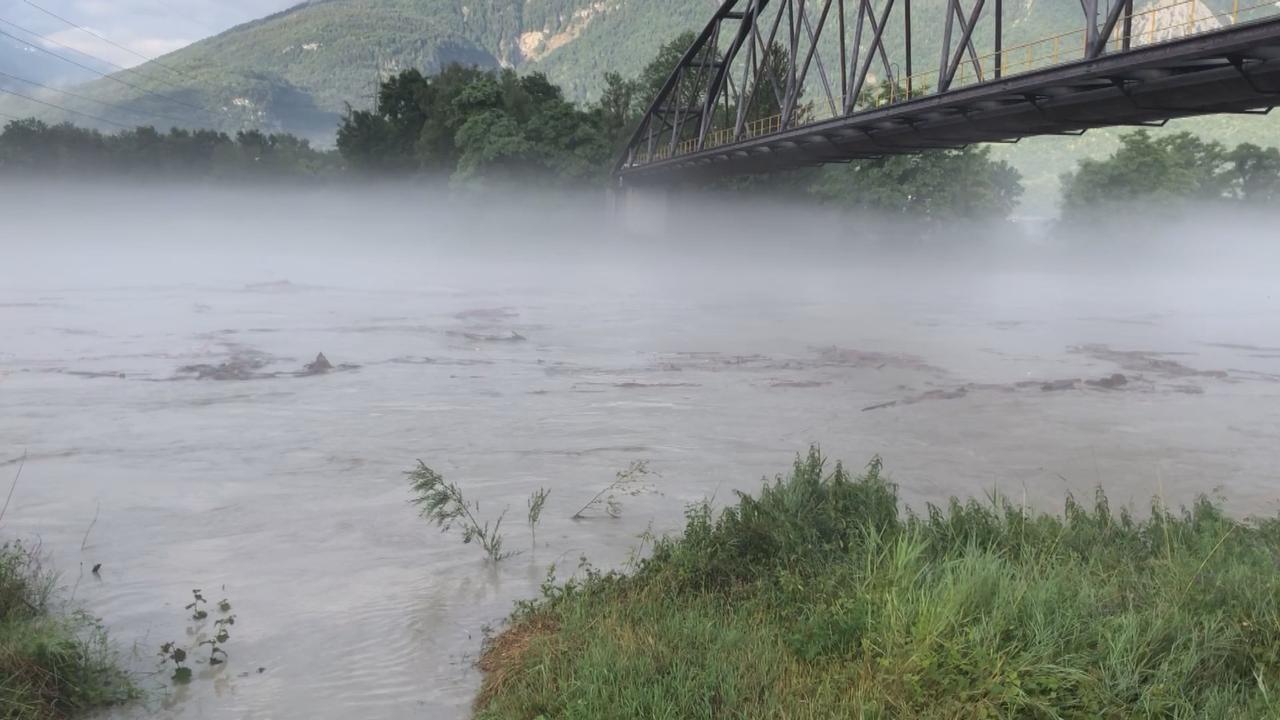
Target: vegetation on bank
x,y
1170,168
53,663
820,598
31,147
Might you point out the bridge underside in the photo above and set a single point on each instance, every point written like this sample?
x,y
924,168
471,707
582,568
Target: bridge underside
x,y
1236,70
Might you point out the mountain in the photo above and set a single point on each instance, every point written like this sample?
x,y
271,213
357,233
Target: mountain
x,y
297,70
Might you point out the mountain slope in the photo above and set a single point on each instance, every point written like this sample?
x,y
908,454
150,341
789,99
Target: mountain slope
x,y
296,70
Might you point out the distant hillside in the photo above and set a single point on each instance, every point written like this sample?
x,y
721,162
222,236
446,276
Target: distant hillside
x,y
296,70
18,59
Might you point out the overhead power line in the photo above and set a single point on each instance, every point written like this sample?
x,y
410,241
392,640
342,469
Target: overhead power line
x,y
99,73
114,106
63,109
104,39
78,51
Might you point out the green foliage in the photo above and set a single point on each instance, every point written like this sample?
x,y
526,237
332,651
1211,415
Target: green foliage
x,y
965,183
819,597
172,652
630,482
443,504
537,501
1172,168
52,664
473,125
175,653
31,146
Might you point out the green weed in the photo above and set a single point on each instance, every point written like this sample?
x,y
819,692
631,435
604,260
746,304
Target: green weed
x,y
54,662
630,482
819,597
175,653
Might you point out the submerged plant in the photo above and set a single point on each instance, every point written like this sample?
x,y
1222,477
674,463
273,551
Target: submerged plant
x,y
626,483
171,652
442,503
536,502
217,655
175,653
196,607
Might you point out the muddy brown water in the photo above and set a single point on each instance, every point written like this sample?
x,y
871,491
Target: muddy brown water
x,y
171,403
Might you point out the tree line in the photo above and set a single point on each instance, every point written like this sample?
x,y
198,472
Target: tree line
x,y
32,147
479,127
1172,168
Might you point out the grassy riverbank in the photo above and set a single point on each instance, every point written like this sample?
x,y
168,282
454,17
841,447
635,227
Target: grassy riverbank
x,y
818,598
52,665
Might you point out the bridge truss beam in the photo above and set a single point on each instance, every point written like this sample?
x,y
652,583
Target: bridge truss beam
x,y
734,102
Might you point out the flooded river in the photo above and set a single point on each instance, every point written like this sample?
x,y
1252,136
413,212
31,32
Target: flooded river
x,y
152,368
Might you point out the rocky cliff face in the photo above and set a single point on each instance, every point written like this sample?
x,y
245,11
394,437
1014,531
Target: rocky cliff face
x,y
1161,20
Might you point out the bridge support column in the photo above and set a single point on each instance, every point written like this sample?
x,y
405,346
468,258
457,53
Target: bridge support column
x,y
640,209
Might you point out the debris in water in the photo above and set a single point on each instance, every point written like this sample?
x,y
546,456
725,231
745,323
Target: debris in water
x,y
237,368
502,313
321,365
1109,383
485,337
845,357
798,383
1058,385
1150,361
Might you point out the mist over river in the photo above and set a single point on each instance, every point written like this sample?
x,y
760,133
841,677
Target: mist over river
x,y
153,343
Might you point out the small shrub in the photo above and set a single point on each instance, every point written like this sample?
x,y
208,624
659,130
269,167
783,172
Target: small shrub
x,y
442,503
631,482
537,501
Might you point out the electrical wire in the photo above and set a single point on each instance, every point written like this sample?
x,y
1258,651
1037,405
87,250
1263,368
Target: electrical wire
x,y
83,53
114,106
104,39
64,109
99,73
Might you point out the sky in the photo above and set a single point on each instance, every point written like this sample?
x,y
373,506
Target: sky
x,y
146,27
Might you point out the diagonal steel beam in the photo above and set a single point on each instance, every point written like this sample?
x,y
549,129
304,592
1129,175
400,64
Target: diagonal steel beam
x,y
861,78
813,49
944,83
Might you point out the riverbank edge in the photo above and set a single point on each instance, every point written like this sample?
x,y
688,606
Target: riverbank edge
x,y
820,597
56,661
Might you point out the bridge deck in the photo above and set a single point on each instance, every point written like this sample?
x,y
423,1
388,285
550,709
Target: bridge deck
x,y
1235,70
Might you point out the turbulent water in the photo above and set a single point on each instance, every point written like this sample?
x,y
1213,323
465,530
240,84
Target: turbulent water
x,y
153,372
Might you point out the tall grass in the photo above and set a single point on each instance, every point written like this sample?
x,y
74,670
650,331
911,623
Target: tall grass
x,y
819,598
52,664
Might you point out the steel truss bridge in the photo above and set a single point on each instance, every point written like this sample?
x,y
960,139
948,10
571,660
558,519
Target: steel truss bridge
x,y
778,84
